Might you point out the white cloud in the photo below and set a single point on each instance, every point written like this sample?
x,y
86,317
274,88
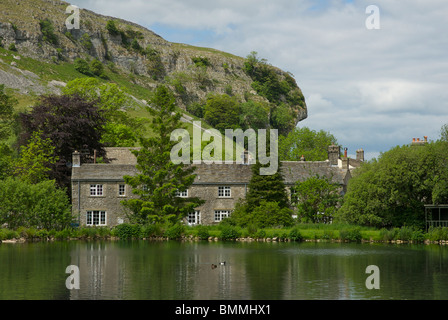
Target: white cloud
x,y
370,88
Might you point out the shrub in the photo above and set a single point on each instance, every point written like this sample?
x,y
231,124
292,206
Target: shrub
x,y
437,233
27,233
295,235
201,61
127,231
82,66
404,233
260,234
46,26
6,234
151,230
112,28
97,68
203,232
42,234
229,232
418,236
388,235
175,231
86,42
328,235
62,234
252,229
270,214
350,235
12,47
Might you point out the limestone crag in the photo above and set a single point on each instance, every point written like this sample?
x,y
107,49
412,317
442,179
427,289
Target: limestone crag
x,y
145,57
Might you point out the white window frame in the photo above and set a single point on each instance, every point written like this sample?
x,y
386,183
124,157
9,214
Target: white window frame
x,y
182,194
224,192
194,218
96,218
221,214
96,190
122,190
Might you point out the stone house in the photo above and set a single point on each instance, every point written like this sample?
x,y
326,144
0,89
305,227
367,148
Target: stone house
x,y
99,188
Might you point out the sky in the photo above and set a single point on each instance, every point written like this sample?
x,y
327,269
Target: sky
x,y
374,79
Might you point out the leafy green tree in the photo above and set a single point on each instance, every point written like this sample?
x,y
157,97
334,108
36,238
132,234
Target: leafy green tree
x,y
313,145
120,130
282,118
444,132
41,205
6,161
278,88
222,112
7,104
254,115
392,191
36,159
316,199
159,179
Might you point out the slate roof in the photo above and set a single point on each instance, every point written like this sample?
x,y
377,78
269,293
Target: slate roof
x,y
123,163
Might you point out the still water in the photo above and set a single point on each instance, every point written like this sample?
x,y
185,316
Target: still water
x,y
143,270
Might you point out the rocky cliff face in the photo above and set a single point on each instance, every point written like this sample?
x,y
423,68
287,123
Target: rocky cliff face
x,y
132,50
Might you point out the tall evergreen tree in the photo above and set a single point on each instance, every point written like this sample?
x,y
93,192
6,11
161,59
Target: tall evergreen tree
x,y
269,188
160,179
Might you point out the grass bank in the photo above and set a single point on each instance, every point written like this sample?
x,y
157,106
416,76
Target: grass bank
x,y
223,232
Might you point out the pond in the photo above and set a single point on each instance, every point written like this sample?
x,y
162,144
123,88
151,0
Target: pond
x,y
171,270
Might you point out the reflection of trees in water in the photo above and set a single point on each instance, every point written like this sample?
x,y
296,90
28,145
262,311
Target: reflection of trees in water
x,y
182,270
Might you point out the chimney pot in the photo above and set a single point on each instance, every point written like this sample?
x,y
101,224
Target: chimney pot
x,y
76,159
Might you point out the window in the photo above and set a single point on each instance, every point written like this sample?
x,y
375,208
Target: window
x,y
294,197
182,194
224,192
122,190
96,218
96,189
194,218
221,214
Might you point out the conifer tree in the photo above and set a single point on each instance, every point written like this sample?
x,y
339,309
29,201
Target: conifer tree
x,y
269,188
159,179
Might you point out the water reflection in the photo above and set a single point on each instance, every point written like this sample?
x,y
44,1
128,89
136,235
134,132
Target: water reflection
x,y
182,270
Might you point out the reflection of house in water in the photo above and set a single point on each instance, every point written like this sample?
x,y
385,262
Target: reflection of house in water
x,y
152,270
99,188
101,271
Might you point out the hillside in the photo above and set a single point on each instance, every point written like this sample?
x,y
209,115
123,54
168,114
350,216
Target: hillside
x,y
38,54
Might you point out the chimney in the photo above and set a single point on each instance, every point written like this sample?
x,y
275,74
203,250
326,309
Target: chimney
x,y
345,152
333,154
345,163
76,159
245,157
360,155
426,138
